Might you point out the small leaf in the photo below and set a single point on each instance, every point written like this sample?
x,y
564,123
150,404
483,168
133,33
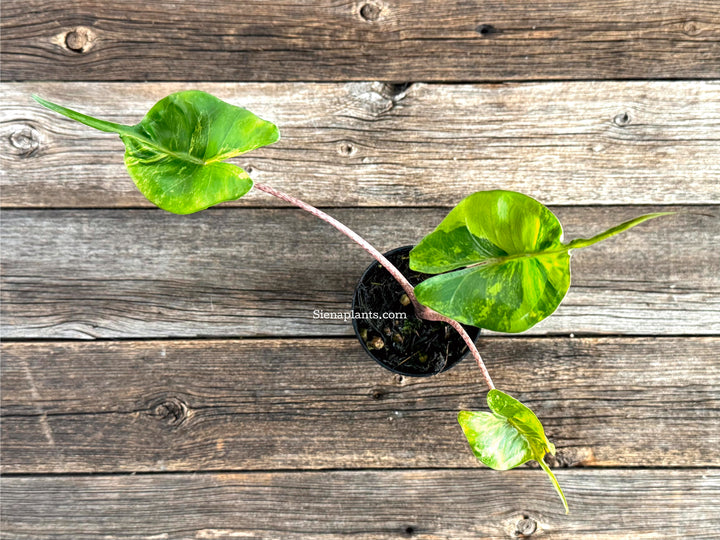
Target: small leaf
x,y
508,437
501,261
175,154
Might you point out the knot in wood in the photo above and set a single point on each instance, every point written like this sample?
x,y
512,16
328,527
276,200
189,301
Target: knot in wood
x,y
691,28
172,410
79,40
370,12
377,394
525,527
371,99
571,457
395,91
24,141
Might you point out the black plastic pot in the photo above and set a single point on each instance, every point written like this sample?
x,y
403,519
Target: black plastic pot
x,y
402,343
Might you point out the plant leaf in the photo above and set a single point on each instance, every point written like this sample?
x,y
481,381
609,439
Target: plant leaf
x,y
585,242
175,154
501,261
508,437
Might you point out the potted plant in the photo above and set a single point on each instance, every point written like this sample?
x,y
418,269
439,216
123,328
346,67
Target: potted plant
x,y
385,321
497,261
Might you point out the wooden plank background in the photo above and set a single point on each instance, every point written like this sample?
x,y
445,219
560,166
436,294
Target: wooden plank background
x,y
162,376
146,273
162,405
392,40
368,144
384,505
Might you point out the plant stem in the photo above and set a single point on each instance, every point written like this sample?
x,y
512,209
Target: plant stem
x,y
423,312
347,231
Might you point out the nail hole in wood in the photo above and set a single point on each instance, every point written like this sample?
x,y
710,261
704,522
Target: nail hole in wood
x,y
347,149
409,530
486,29
622,119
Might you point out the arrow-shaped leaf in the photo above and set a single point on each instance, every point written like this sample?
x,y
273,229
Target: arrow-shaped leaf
x,y
501,261
176,154
508,436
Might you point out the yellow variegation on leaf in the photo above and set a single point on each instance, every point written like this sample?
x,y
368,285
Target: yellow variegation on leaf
x,y
500,260
508,436
176,154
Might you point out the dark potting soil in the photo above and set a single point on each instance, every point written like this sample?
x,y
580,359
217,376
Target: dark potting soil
x,y
409,345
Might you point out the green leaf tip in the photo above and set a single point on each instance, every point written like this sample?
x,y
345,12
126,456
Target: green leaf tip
x,y
555,483
102,125
176,154
508,437
617,229
500,261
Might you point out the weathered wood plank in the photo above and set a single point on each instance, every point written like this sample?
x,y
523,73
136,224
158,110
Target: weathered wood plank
x,y
432,40
372,505
308,404
363,144
262,272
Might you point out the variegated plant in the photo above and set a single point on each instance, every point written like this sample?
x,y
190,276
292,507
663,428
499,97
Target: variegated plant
x,y
500,260
176,154
501,264
509,436
499,257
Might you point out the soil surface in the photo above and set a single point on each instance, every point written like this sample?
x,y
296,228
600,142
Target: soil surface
x,y
406,345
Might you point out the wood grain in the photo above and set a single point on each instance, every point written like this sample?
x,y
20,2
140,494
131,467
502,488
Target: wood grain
x,y
309,404
396,40
382,505
263,272
282,437
368,144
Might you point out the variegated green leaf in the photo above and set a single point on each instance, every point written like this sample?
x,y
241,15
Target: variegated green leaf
x,y
176,154
501,261
508,436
